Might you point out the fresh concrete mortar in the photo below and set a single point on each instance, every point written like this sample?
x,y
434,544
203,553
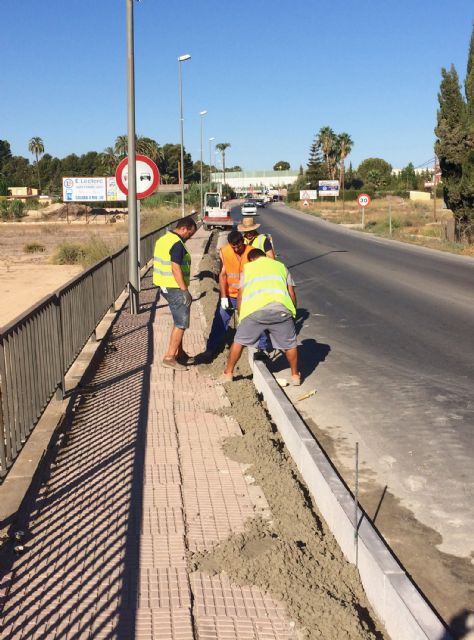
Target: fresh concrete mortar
x,y
401,607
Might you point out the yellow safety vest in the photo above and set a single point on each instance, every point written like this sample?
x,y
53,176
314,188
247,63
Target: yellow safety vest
x,y
259,241
162,273
265,281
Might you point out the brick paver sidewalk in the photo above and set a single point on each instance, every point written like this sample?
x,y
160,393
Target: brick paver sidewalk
x,y
138,478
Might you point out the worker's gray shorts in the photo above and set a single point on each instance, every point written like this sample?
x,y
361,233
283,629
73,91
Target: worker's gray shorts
x,y
280,325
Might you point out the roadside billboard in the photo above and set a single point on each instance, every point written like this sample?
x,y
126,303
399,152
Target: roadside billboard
x,y
328,188
92,189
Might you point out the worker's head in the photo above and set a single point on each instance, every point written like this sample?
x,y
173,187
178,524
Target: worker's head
x,y
255,254
236,241
186,228
249,228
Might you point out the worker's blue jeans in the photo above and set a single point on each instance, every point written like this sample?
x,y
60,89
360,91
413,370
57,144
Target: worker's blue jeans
x,y
220,324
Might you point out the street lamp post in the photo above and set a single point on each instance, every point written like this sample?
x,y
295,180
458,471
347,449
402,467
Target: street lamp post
x,y
133,266
181,59
202,114
210,160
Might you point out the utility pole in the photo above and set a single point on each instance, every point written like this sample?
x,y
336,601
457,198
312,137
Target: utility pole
x,y
434,190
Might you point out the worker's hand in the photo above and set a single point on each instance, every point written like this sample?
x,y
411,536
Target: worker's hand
x,y
187,297
225,304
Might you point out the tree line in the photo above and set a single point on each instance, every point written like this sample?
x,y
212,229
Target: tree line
x,y
46,172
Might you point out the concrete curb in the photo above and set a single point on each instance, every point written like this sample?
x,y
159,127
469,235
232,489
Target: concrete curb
x,y
403,610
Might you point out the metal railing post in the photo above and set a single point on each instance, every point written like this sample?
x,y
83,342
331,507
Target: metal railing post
x,y
61,388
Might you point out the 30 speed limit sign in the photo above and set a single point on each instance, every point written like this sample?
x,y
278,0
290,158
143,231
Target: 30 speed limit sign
x,y
363,200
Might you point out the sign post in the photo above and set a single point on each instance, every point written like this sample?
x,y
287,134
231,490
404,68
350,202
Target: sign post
x,y
147,179
363,200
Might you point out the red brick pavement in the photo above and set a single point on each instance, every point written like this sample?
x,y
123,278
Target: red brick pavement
x,y
139,478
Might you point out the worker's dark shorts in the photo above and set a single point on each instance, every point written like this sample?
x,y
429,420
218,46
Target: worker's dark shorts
x,y
280,325
180,306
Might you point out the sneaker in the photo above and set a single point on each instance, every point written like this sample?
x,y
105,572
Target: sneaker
x,y
171,363
296,380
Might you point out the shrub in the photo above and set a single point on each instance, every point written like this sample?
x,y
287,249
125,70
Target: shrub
x,y
68,253
95,250
34,247
17,209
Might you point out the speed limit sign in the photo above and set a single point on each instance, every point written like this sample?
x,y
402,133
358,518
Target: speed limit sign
x,y
363,200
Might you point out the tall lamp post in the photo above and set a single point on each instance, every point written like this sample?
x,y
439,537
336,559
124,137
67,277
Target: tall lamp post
x,y
182,59
202,114
133,266
210,159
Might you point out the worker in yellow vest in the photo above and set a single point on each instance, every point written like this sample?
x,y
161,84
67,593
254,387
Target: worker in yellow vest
x,y
266,300
248,227
171,272
233,257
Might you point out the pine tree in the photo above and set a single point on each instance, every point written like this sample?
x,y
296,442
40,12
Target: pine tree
x,y
316,169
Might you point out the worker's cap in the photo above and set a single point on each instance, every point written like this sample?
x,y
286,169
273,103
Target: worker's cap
x,y
247,224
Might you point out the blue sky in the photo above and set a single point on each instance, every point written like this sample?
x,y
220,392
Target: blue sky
x,y
270,74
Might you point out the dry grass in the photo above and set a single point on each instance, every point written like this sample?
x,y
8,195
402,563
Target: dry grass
x,y
411,221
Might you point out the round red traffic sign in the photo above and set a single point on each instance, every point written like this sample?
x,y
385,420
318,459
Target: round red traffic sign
x,y
363,200
148,176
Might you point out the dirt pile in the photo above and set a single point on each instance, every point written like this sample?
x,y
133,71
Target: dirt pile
x,y
293,555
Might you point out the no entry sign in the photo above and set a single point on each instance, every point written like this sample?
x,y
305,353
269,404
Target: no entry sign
x,y
148,176
363,200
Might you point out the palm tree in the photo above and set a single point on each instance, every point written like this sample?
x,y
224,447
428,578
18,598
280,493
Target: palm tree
x,y
150,148
345,144
327,141
222,146
121,146
109,160
36,147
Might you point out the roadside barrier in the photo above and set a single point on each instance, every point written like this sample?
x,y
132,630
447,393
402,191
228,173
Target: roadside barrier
x,y
39,346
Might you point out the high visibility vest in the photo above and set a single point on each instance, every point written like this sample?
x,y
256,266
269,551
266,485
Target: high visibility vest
x,y
259,241
234,266
162,273
265,281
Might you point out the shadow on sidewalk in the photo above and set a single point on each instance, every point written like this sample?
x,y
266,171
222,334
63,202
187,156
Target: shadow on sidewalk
x,y
78,576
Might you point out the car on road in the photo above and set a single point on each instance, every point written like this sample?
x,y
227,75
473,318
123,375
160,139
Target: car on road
x,y
249,209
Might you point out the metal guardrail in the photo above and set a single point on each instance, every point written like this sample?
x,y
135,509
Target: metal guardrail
x,y
38,347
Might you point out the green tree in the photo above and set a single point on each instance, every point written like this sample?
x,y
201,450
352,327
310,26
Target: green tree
x,y
222,146
315,167
451,145
121,146
108,161
344,144
5,152
281,165
3,185
36,147
408,178
380,172
328,143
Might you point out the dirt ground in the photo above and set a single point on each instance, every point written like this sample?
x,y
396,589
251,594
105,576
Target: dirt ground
x,y
292,555
25,278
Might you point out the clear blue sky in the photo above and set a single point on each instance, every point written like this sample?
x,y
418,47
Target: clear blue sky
x,y
270,74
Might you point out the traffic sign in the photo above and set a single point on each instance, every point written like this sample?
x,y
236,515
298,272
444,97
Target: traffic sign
x,y
305,203
363,200
148,176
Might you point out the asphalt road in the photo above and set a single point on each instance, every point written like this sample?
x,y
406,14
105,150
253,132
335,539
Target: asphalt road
x,y
387,340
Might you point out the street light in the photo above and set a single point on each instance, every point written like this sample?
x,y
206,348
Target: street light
x,y
210,160
181,59
202,114
133,239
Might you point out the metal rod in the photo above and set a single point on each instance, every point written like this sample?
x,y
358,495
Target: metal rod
x,y
181,120
132,170
356,505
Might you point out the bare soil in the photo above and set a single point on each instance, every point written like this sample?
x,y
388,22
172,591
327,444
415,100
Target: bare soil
x,y
292,555
26,278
